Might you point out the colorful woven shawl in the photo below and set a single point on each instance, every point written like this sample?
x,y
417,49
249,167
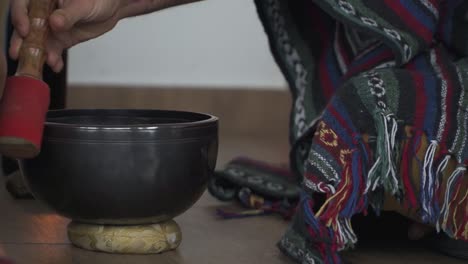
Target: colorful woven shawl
x,y
380,113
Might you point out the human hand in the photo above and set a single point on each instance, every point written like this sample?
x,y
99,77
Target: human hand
x,y
73,22
76,21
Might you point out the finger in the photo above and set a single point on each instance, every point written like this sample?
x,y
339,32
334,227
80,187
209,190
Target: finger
x,y
19,16
54,54
53,59
86,31
59,66
15,45
70,14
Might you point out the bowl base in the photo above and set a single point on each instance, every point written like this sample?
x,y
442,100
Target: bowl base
x,y
137,239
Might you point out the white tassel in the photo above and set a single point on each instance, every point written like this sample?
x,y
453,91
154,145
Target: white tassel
x,y
374,180
391,168
427,181
341,236
352,235
346,234
444,213
369,179
440,169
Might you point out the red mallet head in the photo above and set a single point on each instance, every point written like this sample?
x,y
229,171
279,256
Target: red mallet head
x,y
25,101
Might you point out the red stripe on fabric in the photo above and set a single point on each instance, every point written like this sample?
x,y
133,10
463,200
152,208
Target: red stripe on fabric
x,y
443,9
406,168
340,120
435,3
409,19
421,97
418,122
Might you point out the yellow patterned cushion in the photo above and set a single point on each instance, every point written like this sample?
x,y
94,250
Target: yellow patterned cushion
x,y
141,239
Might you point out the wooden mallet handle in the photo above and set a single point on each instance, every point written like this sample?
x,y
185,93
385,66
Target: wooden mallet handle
x,y
33,50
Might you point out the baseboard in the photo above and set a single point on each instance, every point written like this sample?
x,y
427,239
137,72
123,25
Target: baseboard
x,y
242,112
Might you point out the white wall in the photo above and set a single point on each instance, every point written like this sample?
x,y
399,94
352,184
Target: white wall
x,y
214,43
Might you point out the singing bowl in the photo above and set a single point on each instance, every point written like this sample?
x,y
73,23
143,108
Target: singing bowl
x,y
123,166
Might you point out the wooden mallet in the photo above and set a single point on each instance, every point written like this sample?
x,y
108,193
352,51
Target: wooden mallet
x,y
26,98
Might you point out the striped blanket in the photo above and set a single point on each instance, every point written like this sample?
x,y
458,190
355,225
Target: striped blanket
x,y
380,114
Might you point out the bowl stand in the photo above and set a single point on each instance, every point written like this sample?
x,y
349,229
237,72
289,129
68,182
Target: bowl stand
x,y
126,239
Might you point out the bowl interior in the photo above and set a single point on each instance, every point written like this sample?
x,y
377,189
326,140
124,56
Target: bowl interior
x,y
110,118
114,120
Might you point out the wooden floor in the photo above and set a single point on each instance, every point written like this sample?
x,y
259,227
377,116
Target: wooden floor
x,y
30,234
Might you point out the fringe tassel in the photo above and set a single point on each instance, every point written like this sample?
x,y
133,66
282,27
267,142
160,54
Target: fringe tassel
x,y
441,168
463,230
344,235
332,206
326,245
458,229
406,170
349,200
356,201
428,180
348,237
452,189
384,172
439,176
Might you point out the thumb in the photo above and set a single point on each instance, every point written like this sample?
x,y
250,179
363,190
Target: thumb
x,y
73,12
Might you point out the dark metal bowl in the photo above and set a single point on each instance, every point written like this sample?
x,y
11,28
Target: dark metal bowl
x,y
123,166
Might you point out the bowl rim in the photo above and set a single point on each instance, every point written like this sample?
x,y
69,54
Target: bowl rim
x,y
207,120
